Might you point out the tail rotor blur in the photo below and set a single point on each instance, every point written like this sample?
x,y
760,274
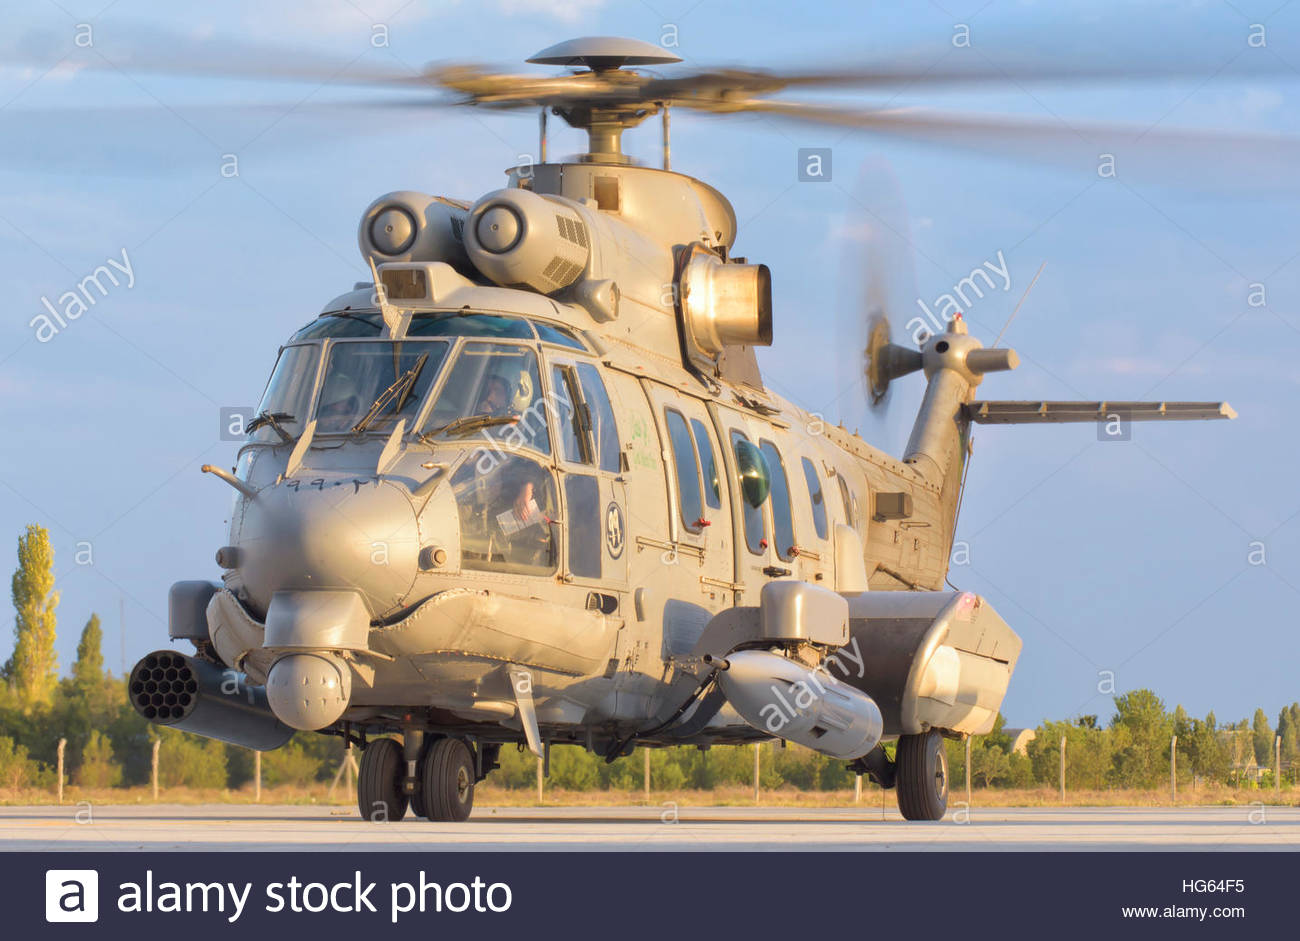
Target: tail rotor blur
x,y
879,281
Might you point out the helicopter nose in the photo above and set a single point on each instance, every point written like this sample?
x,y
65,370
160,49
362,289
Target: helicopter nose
x,y
348,533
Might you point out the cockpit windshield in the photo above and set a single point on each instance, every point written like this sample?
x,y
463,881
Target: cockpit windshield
x,y
493,390
287,399
368,386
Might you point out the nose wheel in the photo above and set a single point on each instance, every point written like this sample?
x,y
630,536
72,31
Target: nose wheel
x,y
922,776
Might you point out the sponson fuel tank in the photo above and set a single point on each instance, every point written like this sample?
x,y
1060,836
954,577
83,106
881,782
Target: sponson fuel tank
x,y
806,706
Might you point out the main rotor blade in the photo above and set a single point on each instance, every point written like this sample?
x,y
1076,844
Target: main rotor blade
x,y
1101,54
152,140
1100,148
145,49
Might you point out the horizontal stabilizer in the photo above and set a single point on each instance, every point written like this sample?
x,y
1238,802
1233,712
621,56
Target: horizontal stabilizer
x,y
1025,413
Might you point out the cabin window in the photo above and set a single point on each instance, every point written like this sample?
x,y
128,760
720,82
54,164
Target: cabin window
x,y
754,483
850,505
600,416
709,466
582,514
816,496
782,518
506,503
493,391
688,474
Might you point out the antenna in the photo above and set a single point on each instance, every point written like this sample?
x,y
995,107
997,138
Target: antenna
x,y
668,157
1018,305
121,629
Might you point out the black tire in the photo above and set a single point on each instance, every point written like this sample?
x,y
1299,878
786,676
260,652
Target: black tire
x,y
379,783
417,799
922,768
448,780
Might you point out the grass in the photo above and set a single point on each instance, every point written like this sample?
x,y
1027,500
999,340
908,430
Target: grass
x,y
488,795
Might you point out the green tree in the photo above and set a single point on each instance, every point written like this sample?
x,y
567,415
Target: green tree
x,y
1262,734
1287,731
1143,731
1089,758
186,760
293,765
88,670
32,670
98,767
17,770
574,769
1201,750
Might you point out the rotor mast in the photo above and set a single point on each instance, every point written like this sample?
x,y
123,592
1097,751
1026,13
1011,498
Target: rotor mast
x,y
606,122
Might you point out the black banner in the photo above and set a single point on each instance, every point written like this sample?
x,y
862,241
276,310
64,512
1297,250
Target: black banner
x,y
648,894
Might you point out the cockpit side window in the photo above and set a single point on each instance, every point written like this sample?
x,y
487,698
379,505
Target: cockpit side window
x,y
506,503
287,398
575,436
494,390
601,416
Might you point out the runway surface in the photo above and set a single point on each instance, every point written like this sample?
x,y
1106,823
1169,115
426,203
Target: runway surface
x,y
666,827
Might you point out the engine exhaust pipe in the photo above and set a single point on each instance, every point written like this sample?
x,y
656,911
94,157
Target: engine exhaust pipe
x,y
806,706
171,689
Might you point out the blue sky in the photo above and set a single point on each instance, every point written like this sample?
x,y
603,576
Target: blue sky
x,y
1132,558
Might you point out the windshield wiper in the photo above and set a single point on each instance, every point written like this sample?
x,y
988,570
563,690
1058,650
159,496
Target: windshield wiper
x,y
468,424
398,392
273,419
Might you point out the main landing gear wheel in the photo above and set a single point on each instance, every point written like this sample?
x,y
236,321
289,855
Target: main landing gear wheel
x,y
922,766
417,799
379,783
448,780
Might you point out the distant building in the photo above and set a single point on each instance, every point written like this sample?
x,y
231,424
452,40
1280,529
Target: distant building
x,y
1020,739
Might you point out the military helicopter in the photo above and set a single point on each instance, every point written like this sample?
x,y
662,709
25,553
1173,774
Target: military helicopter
x,y
527,488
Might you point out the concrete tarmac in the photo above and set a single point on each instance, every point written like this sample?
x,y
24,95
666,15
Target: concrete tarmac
x,y
649,828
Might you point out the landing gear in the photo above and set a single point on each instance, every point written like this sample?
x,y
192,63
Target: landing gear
x,y
379,783
445,772
447,780
921,765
